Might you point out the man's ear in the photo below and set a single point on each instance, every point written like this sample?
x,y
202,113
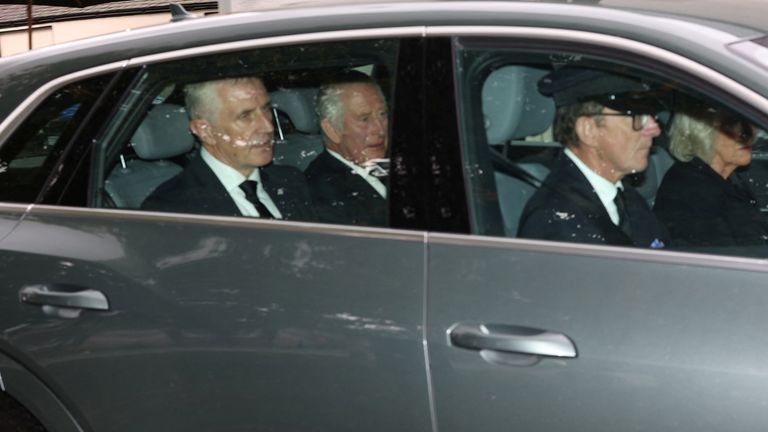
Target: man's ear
x,y
202,129
586,130
330,131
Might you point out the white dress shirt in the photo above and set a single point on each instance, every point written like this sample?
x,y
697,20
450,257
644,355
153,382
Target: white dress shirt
x,y
605,190
231,179
364,173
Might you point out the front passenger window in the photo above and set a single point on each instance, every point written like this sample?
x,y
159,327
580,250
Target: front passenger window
x,y
574,148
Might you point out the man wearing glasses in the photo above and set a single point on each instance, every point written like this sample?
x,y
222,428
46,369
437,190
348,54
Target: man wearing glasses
x,y
606,122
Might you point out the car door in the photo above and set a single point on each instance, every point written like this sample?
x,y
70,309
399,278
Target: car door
x,y
161,321
544,335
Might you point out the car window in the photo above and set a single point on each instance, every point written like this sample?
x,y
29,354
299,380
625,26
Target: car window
x,y
28,156
153,147
565,146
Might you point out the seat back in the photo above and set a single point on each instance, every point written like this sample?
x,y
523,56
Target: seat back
x,y
514,109
164,133
300,147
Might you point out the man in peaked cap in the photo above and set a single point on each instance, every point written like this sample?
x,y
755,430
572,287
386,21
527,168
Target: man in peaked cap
x,y
607,123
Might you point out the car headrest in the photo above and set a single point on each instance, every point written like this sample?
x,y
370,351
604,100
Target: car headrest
x,y
164,133
299,105
512,105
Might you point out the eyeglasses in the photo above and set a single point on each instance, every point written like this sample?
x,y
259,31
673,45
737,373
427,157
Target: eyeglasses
x,y
639,121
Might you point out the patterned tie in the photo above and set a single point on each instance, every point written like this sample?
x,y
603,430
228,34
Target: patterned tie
x,y
249,187
622,210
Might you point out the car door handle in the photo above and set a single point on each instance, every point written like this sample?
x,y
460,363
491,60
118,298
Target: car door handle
x,y
65,296
512,339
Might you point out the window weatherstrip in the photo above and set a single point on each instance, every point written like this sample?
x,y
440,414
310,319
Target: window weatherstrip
x,y
577,36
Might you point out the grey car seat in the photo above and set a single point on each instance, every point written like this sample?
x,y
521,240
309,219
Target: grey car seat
x,y
164,133
514,109
300,147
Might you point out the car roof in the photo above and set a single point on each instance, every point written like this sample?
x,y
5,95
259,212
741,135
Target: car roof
x,y
749,13
20,74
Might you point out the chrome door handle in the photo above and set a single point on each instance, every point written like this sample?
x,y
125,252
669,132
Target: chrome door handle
x,y
65,296
512,339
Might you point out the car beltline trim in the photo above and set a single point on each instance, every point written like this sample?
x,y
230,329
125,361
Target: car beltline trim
x,y
579,36
32,101
601,251
46,210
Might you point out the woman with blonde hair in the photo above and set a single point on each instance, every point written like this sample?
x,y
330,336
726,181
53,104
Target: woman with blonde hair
x,y
701,200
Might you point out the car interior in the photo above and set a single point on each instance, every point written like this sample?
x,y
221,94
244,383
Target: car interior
x,y
161,144
516,117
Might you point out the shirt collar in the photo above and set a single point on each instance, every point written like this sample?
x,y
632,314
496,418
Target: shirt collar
x,y
228,176
604,189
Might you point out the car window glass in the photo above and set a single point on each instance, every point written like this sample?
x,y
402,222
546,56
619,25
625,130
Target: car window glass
x,y
27,157
650,162
152,140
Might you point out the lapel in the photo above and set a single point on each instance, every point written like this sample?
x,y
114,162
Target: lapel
x,y
211,190
351,183
571,183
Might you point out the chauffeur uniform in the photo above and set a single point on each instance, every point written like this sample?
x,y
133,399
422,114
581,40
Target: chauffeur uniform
x,y
566,208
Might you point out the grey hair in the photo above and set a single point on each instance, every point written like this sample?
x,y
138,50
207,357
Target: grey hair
x,y
691,136
329,105
201,99
328,102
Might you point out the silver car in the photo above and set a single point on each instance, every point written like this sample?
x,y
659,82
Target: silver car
x,y
115,318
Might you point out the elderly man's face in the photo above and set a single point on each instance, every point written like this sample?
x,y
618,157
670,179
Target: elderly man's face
x,y
620,149
240,133
363,135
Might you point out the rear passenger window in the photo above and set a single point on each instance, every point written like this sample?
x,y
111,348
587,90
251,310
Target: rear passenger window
x,y
29,155
562,146
306,126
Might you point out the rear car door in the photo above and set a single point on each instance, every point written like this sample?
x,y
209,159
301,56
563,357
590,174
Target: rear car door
x,y
556,336
161,321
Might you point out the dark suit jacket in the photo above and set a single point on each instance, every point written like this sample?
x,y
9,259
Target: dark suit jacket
x,y
341,196
566,208
700,208
197,190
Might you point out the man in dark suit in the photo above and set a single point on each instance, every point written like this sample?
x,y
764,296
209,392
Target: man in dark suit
x,y
347,182
607,124
233,174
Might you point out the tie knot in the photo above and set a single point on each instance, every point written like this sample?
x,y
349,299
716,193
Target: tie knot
x,y
249,187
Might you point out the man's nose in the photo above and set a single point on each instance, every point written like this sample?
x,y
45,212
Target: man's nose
x,y
265,122
380,126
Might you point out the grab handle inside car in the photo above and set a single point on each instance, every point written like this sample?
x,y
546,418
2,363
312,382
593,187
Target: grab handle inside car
x,y
65,296
511,339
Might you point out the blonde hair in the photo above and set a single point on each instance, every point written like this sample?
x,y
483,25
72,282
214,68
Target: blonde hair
x,y
693,135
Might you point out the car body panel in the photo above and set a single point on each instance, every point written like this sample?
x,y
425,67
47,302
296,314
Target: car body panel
x,y
26,388
653,340
222,319
221,323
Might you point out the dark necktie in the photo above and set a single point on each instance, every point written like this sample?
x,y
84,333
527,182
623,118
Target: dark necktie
x,y
622,210
249,187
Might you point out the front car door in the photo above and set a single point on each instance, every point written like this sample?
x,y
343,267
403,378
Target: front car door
x,y
557,336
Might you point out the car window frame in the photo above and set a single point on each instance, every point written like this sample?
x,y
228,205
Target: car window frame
x,y
697,77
